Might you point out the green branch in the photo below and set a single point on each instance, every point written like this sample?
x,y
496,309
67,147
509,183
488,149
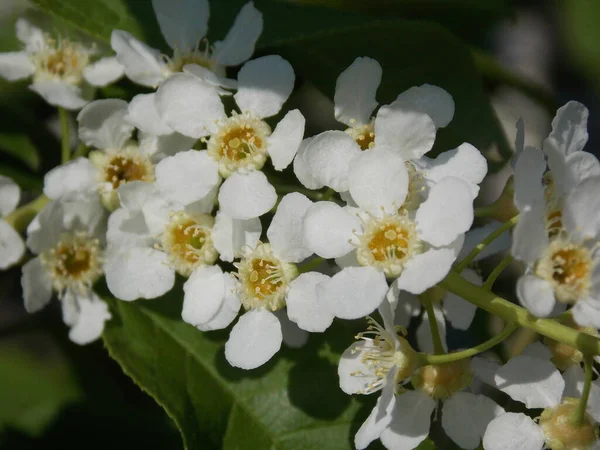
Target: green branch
x,y
491,279
438,346
63,116
585,394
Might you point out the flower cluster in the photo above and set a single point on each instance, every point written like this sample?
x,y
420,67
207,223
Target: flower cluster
x,y
376,218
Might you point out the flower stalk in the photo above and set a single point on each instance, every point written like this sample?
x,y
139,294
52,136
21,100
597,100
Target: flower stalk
x,y
585,394
65,154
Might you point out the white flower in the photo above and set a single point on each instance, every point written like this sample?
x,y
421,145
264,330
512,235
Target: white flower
x,y
183,24
12,247
564,269
241,143
70,260
59,67
406,127
535,382
266,280
378,239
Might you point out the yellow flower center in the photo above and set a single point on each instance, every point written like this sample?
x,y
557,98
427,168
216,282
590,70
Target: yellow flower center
x,y
560,431
60,60
443,380
364,135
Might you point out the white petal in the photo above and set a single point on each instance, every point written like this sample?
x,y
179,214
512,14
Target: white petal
x,y
142,113
187,176
36,284
447,213
159,147
328,230
485,369
239,43
286,232
378,180
574,381
264,84
466,416
408,306
536,294
328,156
230,236
293,336
102,124
580,212
474,236
355,91
12,246
586,313
10,195
530,238
529,169
409,132
138,272
410,421
304,306
426,270
189,105
569,127
141,63
182,22
93,313
286,139
59,93
533,381
254,339
212,78
355,376
380,416
424,338
302,170
78,175
45,229
204,293
354,292
431,100
460,312
30,35
247,195
537,350
580,166
519,140
229,307
464,162
103,71
512,431
15,66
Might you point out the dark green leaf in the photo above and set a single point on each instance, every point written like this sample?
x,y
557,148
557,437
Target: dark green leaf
x,y
20,147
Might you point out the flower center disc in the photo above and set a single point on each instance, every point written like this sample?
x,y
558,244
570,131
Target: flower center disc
x,y
443,380
560,431
364,135
64,60
122,169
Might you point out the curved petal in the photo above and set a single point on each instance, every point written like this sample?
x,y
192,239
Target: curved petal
x,y
447,213
569,128
286,139
10,194
12,246
247,195
45,229
254,339
356,377
36,284
586,313
182,22
159,147
329,229
355,91
580,213
431,100
328,156
212,78
426,270
378,180
93,313
103,72
230,236
304,306
530,237
59,93
536,294
302,169
354,292
529,170
102,124
532,381
264,85
286,232
189,105
15,66
407,307
203,295
138,272
141,63
187,177
229,307
142,113
78,175
239,43
510,431
30,35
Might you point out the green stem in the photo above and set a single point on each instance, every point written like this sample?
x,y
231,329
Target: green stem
x,y
460,266
456,356
438,347
585,394
328,194
63,116
510,312
310,265
81,150
20,218
286,189
491,279
493,70
485,211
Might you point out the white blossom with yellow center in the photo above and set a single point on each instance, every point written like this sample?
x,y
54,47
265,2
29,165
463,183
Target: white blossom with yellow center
x,y
12,247
70,260
59,67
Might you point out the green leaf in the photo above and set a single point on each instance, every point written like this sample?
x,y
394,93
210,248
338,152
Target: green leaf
x,y
293,402
34,388
20,147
